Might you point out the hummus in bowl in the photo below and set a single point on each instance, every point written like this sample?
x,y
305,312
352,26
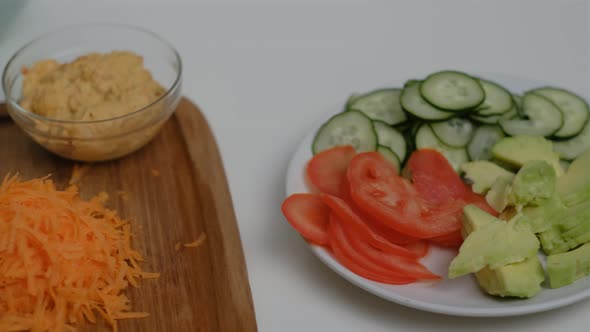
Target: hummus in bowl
x,y
96,105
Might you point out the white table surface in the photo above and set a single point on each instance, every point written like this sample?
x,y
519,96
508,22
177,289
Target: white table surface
x,y
263,73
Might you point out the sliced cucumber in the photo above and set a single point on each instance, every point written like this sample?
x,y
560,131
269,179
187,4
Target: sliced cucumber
x,y
455,132
544,118
484,137
413,103
573,147
575,110
425,138
381,105
391,138
346,128
497,99
351,99
452,91
494,119
390,155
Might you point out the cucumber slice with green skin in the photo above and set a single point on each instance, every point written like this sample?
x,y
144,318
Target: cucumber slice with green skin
x,y
410,82
390,156
346,128
455,132
484,137
518,103
544,118
381,105
389,137
570,149
351,99
425,138
575,110
452,91
494,119
497,99
414,104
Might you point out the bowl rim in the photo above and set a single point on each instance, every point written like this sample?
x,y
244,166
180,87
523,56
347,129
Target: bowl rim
x,y
169,90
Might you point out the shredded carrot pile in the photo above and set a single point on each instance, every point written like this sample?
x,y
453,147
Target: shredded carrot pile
x,y
78,172
63,260
196,242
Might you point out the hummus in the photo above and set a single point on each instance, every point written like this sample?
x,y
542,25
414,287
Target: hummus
x,y
92,87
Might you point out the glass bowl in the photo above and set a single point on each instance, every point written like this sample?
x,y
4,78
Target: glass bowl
x,y
96,140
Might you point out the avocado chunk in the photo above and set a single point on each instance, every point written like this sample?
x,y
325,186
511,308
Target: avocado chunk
x,y
571,229
563,269
495,244
534,183
574,186
475,218
482,174
541,217
522,279
517,150
499,196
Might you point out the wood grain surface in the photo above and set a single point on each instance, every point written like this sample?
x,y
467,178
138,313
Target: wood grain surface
x,y
173,190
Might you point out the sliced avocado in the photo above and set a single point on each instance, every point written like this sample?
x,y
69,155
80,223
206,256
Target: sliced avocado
x,y
475,218
522,279
494,245
482,174
499,195
534,183
571,229
541,217
517,150
563,269
574,186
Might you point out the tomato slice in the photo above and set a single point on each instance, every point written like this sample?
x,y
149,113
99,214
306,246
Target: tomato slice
x,y
420,248
309,216
434,177
397,264
378,191
346,255
376,226
356,227
451,240
327,169
480,201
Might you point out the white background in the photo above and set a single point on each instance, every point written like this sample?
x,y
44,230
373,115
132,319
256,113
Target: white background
x,y
264,71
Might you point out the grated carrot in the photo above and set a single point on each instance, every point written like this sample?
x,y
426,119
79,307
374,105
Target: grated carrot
x,y
62,259
177,246
123,194
196,242
78,172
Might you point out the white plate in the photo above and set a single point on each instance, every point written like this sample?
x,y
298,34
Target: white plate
x,y
459,297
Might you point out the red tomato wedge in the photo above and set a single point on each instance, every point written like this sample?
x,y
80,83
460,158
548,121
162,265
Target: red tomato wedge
x,y
377,190
437,182
480,201
434,177
451,240
346,255
397,264
356,227
309,216
387,233
327,169
420,247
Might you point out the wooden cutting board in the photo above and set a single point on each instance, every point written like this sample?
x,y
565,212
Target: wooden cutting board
x,y
173,190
